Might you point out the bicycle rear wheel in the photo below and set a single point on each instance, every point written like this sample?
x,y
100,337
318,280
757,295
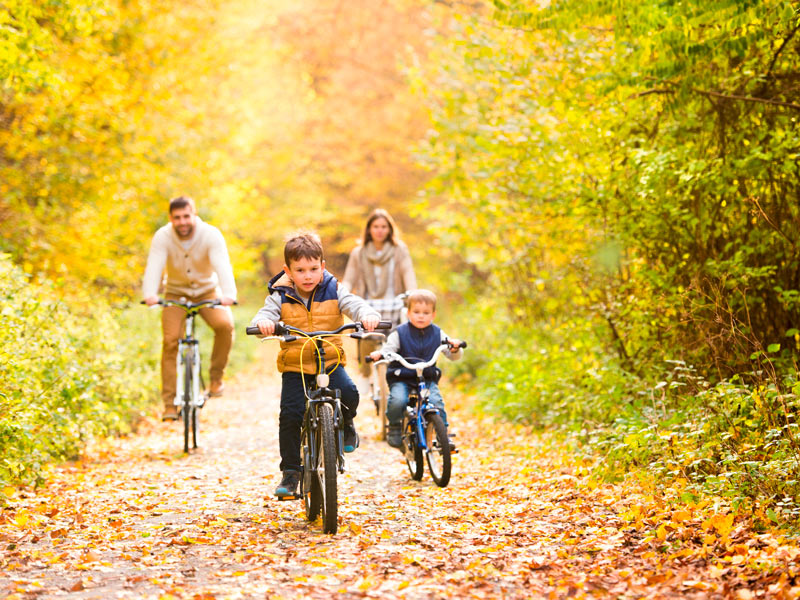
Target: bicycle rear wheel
x,y
327,469
438,451
187,400
413,452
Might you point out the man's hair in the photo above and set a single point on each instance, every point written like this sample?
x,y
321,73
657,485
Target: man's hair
x,y
304,244
421,296
180,202
380,213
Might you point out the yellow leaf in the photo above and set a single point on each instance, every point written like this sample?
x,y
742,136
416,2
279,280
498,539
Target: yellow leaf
x,y
356,528
680,516
403,585
9,491
21,519
661,532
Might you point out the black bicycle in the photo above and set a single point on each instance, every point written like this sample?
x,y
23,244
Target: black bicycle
x,y
424,431
190,395
322,432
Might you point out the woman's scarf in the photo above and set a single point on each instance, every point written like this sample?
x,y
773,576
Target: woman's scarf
x,y
370,257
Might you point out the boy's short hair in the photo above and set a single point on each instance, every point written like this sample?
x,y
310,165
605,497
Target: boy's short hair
x,y
304,244
180,202
422,296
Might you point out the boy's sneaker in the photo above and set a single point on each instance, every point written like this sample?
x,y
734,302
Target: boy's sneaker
x,y
395,436
288,485
351,440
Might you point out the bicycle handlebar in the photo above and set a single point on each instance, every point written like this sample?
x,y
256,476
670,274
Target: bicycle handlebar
x,y
189,305
287,331
392,356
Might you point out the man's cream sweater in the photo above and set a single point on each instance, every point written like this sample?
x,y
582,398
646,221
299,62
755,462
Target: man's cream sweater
x,y
194,271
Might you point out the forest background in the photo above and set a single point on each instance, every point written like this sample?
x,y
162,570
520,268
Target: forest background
x,y
604,193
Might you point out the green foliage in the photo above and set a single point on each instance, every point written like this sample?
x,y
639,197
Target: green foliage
x,y
69,372
621,180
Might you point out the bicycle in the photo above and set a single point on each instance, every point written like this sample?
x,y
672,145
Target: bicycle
x,y
378,389
423,429
190,396
322,432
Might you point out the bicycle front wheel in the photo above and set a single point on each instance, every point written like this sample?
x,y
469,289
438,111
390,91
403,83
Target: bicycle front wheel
x,y
327,469
438,452
187,408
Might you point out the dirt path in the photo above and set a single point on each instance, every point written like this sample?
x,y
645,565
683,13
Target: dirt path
x,y
137,519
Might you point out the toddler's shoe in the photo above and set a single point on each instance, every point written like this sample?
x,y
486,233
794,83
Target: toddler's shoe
x,y
170,413
394,437
287,488
350,436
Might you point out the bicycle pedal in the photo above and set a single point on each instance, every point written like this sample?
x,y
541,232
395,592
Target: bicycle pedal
x,y
282,498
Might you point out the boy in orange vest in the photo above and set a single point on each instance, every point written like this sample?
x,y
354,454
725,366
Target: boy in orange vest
x,y
306,296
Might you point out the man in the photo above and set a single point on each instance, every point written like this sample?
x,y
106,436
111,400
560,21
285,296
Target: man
x,y
197,268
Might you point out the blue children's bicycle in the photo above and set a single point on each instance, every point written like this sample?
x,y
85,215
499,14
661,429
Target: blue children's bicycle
x,y
424,431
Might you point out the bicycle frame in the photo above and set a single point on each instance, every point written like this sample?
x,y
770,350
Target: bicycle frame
x,y
422,405
319,394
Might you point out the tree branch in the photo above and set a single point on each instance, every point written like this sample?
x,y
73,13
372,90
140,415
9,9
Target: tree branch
x,y
746,98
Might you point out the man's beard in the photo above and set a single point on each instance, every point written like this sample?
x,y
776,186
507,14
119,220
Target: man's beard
x,y
187,233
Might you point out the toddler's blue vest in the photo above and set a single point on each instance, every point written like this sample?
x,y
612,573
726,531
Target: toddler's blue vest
x,y
419,344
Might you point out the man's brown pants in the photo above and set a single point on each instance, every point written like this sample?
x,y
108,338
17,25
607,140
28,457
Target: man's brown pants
x,y
172,324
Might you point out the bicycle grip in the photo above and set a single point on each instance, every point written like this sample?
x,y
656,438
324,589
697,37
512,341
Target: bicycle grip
x,y
367,359
463,344
384,325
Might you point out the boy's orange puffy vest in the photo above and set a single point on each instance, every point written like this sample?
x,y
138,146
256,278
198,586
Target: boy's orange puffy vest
x,y
321,314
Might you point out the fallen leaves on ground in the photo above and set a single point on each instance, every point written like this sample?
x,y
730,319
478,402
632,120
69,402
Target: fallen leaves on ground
x,y
138,519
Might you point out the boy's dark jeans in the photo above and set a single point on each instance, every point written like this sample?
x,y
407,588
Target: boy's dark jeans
x,y
293,407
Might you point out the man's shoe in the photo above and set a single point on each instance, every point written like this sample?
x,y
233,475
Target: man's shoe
x,y
350,436
216,389
170,413
287,488
395,436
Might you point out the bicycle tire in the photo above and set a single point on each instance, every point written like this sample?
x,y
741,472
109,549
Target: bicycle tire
x,y
383,399
328,473
312,494
437,454
413,452
195,400
187,400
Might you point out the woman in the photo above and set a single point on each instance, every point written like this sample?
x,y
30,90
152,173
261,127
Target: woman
x,y
380,268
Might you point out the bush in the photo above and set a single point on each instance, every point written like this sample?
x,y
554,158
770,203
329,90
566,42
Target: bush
x,y
70,370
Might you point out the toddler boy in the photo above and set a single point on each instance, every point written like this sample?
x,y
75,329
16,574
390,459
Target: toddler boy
x,y
417,340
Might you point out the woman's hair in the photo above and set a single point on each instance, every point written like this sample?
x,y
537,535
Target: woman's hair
x,y
379,213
